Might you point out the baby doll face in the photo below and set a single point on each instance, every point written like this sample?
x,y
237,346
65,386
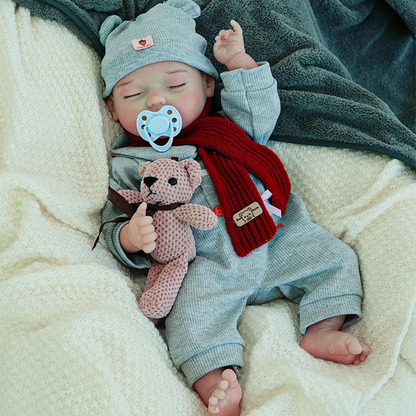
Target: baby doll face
x,y
153,86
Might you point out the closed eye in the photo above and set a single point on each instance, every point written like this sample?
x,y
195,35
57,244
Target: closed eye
x,y
177,86
133,95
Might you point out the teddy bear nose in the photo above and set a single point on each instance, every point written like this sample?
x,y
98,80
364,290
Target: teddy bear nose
x,y
149,181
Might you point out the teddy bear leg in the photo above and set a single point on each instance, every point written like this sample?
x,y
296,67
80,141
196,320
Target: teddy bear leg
x,y
153,274
158,300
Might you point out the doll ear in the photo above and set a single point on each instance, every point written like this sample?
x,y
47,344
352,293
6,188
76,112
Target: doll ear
x,y
142,168
194,172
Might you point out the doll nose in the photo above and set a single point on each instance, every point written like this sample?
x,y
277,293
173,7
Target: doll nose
x,y
149,181
155,100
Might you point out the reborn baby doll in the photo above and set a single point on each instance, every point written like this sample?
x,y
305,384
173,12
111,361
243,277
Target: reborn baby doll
x,y
251,256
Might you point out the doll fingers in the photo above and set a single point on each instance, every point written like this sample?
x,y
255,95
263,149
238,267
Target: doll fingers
x,y
146,229
148,248
237,28
141,210
140,222
218,42
221,34
149,239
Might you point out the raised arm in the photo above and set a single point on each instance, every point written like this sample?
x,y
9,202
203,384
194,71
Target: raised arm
x,y
249,98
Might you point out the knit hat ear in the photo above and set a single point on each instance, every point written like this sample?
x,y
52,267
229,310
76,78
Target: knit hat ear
x,y
186,6
108,26
194,172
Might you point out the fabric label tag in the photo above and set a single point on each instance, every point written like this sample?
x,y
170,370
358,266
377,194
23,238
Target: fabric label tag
x,y
144,43
247,214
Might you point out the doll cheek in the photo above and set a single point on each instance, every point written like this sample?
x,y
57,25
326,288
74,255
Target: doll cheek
x,y
194,105
128,119
197,99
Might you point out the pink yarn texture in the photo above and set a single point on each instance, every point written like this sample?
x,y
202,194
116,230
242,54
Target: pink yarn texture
x,y
165,182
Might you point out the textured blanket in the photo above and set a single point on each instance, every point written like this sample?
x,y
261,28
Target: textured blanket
x,y
345,69
73,340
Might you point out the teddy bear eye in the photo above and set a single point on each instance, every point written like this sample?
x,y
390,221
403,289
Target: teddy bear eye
x,y
172,181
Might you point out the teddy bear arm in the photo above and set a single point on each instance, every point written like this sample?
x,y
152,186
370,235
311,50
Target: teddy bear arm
x,y
132,197
197,216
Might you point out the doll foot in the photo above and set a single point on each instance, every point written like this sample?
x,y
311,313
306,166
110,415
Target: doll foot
x,y
334,345
226,398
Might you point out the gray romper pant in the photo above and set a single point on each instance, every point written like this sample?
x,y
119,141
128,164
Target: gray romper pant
x,y
303,262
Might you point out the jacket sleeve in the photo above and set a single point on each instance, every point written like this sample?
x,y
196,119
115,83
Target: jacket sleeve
x,y
124,175
250,99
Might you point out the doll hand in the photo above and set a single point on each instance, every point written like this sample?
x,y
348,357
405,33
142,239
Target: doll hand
x,y
229,49
229,43
139,233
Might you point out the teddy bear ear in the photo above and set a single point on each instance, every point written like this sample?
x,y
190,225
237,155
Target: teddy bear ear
x,y
194,172
142,168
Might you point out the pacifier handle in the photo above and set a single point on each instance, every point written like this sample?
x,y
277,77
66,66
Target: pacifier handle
x,y
165,122
159,148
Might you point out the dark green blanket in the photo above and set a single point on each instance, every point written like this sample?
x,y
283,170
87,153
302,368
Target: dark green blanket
x,y
346,69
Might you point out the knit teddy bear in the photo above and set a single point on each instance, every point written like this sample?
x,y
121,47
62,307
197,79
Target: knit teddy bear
x,y
167,187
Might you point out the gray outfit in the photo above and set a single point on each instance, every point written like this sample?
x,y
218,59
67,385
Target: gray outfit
x,y
303,262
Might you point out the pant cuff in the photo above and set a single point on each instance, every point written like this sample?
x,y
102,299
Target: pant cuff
x,y
227,355
314,312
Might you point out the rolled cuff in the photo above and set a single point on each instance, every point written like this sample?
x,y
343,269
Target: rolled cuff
x,y
314,312
135,260
248,79
227,355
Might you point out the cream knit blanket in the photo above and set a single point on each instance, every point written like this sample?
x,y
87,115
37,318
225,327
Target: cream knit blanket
x,y
73,340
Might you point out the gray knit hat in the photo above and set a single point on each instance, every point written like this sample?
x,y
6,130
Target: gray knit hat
x,y
165,33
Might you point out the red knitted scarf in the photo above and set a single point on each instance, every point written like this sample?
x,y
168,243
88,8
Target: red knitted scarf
x,y
229,155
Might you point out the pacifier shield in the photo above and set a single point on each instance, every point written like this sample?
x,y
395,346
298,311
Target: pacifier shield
x,y
166,122
158,124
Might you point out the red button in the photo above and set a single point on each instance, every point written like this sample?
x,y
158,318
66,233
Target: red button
x,y
218,211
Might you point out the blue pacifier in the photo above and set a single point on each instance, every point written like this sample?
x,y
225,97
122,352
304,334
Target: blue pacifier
x,y
165,122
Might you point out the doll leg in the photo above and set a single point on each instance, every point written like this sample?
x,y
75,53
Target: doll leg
x,y
201,329
320,272
157,301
